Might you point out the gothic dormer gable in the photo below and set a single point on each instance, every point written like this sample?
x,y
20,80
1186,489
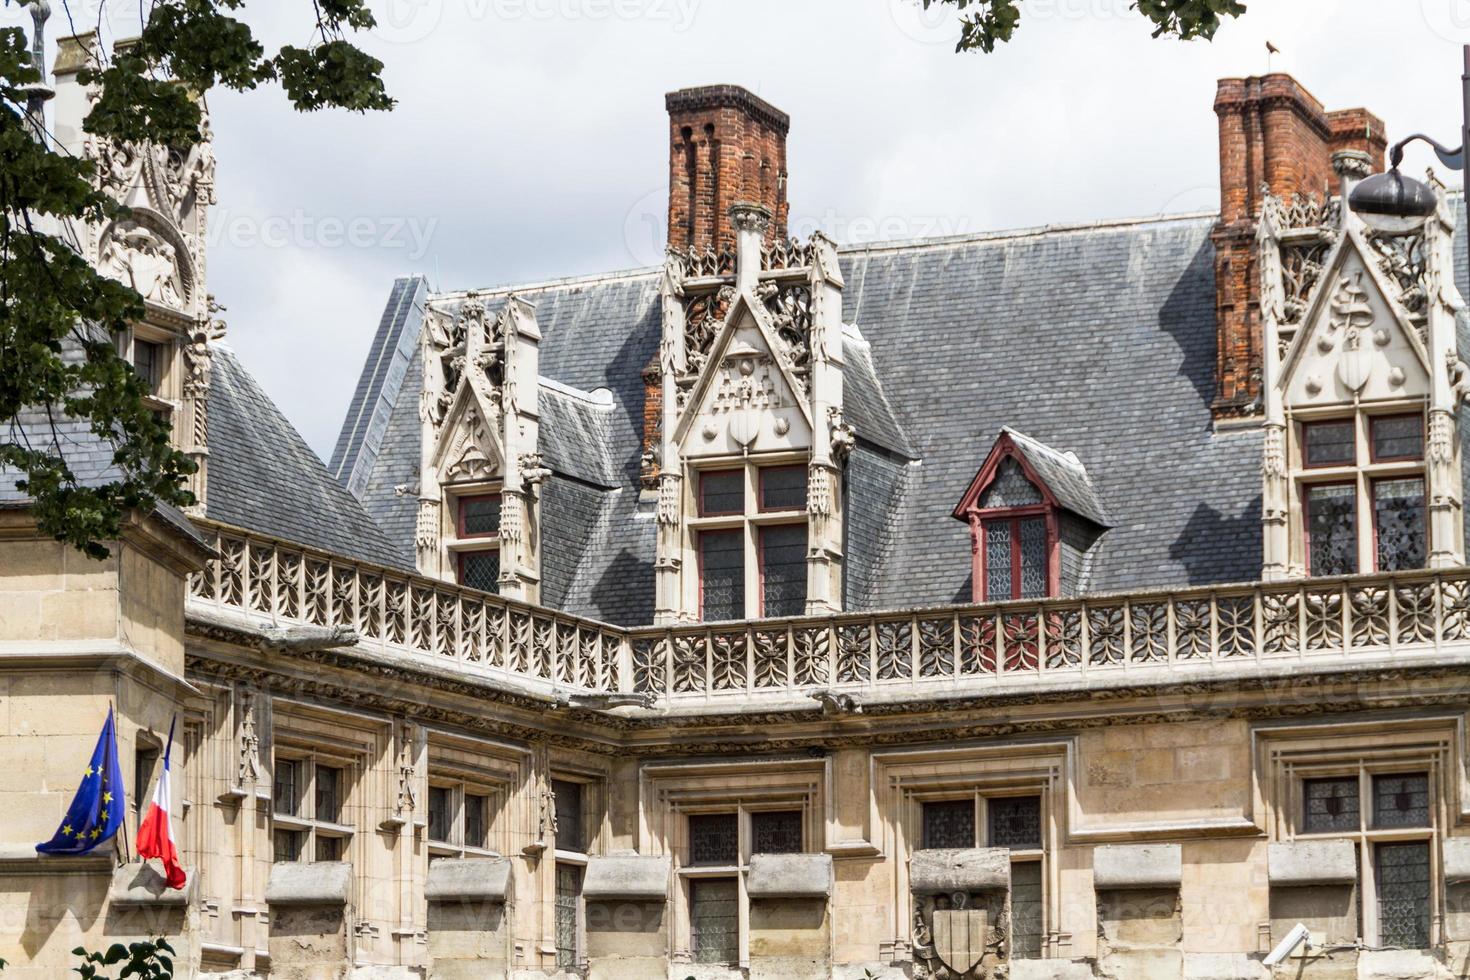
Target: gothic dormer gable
x,y
468,448
749,395
1358,342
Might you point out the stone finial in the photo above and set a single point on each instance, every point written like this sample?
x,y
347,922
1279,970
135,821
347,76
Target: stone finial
x,y
1350,166
748,216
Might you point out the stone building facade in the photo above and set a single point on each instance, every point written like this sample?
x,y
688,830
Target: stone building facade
x,y
1086,601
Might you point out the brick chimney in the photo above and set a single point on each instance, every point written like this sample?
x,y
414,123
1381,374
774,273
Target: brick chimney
x,y
1273,135
725,146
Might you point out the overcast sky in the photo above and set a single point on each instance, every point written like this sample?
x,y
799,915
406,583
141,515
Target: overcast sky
x,y
530,140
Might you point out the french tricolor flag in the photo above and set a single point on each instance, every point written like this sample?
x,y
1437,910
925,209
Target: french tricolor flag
x,y
156,832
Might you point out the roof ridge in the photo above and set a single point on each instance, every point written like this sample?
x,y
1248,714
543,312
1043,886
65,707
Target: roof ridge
x,y
507,289
1034,231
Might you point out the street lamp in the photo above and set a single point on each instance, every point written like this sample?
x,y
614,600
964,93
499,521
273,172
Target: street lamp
x,y
1397,205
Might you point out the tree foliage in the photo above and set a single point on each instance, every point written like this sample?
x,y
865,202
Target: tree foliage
x,y
986,23
59,366
146,960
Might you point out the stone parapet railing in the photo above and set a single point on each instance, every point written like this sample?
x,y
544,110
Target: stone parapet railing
x,y
975,646
410,614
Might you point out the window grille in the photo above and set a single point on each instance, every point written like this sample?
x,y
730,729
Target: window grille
x,y
1010,488
949,823
776,832
480,570
568,892
1331,805
1398,523
997,561
568,796
783,570
1015,822
1033,558
1402,872
441,812
713,840
715,920
1332,525
722,574
1026,910
1401,801
1329,443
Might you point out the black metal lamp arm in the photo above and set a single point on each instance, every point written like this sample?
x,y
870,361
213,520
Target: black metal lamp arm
x,y
1454,159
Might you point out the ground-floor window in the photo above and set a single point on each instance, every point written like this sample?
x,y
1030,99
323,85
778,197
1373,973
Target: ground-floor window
x,y
714,916
568,906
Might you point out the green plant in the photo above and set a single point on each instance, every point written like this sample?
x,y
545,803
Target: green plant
x,y
145,960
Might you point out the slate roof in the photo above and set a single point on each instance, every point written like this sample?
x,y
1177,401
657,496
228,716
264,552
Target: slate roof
x,y
377,389
1094,345
263,476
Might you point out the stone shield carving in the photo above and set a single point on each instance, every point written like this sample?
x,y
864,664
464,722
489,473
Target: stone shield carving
x,y
961,914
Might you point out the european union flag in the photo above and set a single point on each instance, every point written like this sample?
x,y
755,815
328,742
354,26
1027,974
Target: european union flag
x,y
96,812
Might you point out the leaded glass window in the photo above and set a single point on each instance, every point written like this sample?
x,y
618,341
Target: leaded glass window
x,y
328,848
949,823
1015,822
1397,437
713,839
783,488
1402,872
1330,443
441,813
568,797
476,819
1015,558
714,917
479,516
1026,910
1332,528
775,832
1398,523
568,892
1010,488
997,561
286,845
722,574
480,570
721,492
286,789
329,794
1330,805
783,570
1401,800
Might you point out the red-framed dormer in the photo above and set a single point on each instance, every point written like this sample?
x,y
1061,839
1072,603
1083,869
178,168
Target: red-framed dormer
x,y
1017,507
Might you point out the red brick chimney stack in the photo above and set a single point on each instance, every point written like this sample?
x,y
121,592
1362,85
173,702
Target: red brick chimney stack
x,y
726,145
1273,134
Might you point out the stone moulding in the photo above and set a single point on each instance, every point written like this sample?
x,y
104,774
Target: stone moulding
x,y
138,885
468,879
1378,621
309,883
1312,862
789,876
627,876
1122,866
1456,860
938,871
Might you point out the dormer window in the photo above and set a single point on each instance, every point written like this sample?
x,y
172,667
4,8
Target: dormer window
x,y
1362,493
751,541
1016,507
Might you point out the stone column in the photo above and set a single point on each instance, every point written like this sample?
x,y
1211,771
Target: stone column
x,y
627,899
790,924
469,915
310,920
750,222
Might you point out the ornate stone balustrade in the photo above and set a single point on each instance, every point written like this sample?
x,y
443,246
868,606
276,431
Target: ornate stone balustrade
x,y
391,610
1400,614
976,646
